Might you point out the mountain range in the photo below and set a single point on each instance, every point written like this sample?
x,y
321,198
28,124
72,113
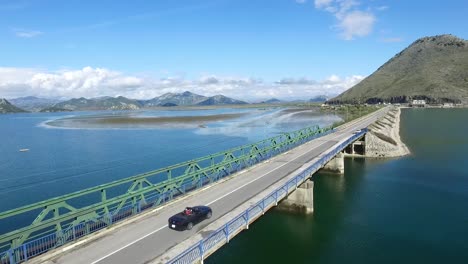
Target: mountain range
x,y
116,103
32,103
35,104
434,69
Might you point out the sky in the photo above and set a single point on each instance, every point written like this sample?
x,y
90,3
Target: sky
x,y
247,49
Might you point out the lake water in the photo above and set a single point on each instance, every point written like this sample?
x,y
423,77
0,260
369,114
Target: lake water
x,y
407,210
69,158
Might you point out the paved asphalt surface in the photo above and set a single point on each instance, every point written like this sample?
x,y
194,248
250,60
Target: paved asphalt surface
x,y
149,237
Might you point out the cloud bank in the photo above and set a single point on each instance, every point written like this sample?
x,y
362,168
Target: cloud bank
x,y
95,82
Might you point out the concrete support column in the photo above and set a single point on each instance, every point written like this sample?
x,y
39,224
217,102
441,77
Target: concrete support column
x,y
301,200
336,165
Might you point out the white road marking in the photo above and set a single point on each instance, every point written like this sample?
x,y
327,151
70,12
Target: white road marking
x,y
141,238
240,187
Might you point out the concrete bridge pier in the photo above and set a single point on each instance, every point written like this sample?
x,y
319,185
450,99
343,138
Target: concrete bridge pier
x,y
335,165
357,148
301,200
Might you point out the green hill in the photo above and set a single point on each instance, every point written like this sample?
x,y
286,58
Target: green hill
x,y
432,68
7,107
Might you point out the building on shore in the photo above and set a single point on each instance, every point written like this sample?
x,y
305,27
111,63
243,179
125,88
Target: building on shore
x,y
447,105
418,103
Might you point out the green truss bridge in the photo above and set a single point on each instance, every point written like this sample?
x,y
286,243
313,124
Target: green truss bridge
x,y
61,220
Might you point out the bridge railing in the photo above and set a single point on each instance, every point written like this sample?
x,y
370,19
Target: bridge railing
x,y
72,229
221,236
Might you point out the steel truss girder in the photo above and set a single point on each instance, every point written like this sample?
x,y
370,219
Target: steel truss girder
x,y
141,186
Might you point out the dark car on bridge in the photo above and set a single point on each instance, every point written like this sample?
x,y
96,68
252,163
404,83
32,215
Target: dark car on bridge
x,y
189,217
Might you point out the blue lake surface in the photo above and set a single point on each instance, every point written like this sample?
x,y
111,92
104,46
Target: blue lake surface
x,y
64,160
405,210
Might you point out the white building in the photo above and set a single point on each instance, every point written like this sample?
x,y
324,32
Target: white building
x,y
418,103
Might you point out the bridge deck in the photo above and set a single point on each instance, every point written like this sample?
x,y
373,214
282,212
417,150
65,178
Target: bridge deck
x,y
145,237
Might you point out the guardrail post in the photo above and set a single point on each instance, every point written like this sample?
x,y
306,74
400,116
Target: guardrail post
x,y
59,238
263,206
226,228
276,198
247,219
73,231
10,256
202,252
87,229
109,215
25,253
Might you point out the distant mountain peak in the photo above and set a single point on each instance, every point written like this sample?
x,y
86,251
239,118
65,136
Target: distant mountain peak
x,y
7,107
33,103
28,98
101,103
220,100
440,40
272,101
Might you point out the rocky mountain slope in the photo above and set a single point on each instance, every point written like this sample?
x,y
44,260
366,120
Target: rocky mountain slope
x,y
432,68
7,107
174,99
32,103
103,103
220,100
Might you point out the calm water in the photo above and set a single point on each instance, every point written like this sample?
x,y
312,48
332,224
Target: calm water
x,y
63,160
406,210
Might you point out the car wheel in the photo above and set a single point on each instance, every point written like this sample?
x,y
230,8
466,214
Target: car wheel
x,y
189,226
208,215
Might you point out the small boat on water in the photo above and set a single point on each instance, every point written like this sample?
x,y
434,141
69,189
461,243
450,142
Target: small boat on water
x,y
24,150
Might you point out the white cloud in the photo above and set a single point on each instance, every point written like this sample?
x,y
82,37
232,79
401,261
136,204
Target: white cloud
x,y
95,82
322,3
351,21
356,24
23,33
302,81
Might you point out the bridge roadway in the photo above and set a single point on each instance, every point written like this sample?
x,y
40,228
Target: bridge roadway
x,y
147,236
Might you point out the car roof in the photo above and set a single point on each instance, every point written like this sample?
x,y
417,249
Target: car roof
x,y
199,207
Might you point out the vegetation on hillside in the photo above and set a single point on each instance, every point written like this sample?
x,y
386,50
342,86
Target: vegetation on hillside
x,y
434,69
